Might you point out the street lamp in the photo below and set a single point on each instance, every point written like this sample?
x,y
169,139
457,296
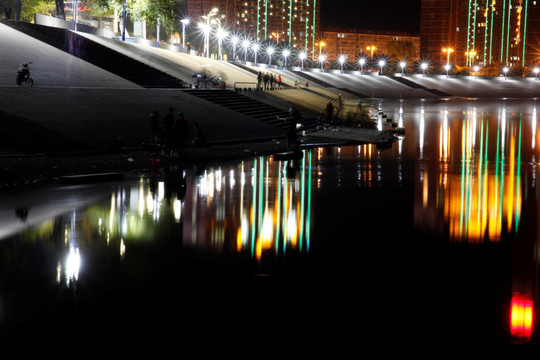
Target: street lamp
x,y
536,70
381,65
447,68
505,70
270,51
471,54
158,28
321,44
221,35
322,58
371,49
184,22
286,54
206,29
402,65
255,48
342,59
124,14
302,56
234,42
362,62
476,69
245,45
447,51
424,67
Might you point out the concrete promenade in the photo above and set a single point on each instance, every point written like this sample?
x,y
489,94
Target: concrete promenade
x,y
75,106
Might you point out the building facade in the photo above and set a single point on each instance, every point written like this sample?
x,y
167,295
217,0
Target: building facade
x,y
480,32
292,23
370,45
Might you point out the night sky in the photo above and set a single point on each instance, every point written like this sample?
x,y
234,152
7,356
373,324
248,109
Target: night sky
x,y
396,15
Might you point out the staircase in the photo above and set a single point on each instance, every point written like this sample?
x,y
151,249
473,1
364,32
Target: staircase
x,y
98,55
244,105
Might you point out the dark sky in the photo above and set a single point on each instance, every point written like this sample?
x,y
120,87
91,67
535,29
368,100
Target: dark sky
x,y
397,15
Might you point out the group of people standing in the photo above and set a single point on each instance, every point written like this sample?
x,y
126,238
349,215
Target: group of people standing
x,y
171,131
268,81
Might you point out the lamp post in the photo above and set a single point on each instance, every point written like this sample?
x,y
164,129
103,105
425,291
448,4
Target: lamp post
x,y
447,68
184,22
302,56
362,62
342,59
505,70
322,58
245,45
255,48
221,35
476,69
536,70
424,67
206,29
381,65
402,65
234,42
320,44
124,13
286,54
447,51
270,51
470,55
158,28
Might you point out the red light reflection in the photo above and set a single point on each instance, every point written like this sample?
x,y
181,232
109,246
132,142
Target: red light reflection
x,y
521,316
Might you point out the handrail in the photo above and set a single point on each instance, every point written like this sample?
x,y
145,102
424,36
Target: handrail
x,y
245,82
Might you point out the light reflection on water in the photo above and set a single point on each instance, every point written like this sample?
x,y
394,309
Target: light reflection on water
x,y
464,176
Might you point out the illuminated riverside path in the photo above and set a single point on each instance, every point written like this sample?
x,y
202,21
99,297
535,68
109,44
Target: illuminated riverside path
x,y
434,236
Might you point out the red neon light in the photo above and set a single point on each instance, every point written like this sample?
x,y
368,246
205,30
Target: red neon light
x,y
521,316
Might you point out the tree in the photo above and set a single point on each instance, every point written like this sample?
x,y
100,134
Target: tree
x,y
400,50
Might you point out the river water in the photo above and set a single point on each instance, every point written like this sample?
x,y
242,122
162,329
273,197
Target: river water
x,y
427,248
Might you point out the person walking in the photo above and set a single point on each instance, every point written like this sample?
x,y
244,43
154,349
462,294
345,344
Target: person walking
x,y
167,131
154,127
259,80
329,112
271,79
279,81
265,79
180,132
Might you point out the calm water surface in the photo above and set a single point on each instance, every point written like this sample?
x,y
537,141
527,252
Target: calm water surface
x,y
428,248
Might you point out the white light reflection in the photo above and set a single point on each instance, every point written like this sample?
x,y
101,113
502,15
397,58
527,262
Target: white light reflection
x,y
73,263
421,130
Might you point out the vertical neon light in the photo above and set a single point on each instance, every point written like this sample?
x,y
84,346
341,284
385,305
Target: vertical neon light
x,y
290,21
314,24
508,30
491,32
306,40
258,19
524,43
266,20
486,30
502,31
468,32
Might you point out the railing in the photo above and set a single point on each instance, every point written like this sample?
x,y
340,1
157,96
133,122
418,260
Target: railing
x,y
253,88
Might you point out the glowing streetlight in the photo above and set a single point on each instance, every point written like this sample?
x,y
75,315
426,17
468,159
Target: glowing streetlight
x,y
270,51
206,29
476,69
402,65
447,51
245,45
320,44
423,67
505,70
536,70
221,35
185,22
381,65
371,49
471,54
255,48
285,53
234,41
362,62
447,68
342,59
302,57
277,36
322,58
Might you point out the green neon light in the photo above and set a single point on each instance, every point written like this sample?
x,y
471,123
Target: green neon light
x,y
278,227
306,40
468,32
308,217
502,30
314,26
525,24
254,202
266,20
290,22
462,187
508,30
475,24
302,200
491,36
261,193
258,18
486,29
